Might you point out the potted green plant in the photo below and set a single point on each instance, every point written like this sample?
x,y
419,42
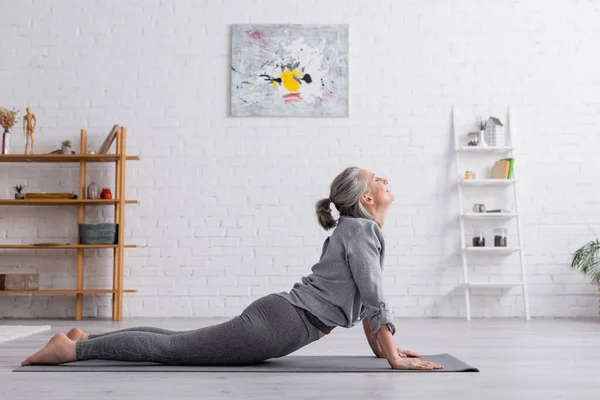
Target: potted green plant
x,y
19,189
66,147
586,259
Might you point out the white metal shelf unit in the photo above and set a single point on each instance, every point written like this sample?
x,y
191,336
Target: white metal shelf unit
x,y
509,151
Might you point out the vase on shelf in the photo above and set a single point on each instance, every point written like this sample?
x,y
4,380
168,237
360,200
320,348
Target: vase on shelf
x,y
482,142
106,194
6,142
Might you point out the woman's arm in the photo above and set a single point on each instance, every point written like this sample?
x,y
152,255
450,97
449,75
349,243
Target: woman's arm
x,y
386,342
373,343
363,258
384,337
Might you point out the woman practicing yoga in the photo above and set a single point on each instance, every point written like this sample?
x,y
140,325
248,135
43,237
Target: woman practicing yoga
x,y
345,287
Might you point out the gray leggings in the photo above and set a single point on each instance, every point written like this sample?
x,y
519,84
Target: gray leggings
x,y
269,327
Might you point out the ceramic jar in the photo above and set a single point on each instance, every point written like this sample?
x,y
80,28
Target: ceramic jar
x,y
106,194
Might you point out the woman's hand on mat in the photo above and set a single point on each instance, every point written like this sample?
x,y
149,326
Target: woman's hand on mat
x,y
413,363
407,353
401,353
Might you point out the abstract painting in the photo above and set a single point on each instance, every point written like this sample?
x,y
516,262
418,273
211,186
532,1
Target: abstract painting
x,y
289,71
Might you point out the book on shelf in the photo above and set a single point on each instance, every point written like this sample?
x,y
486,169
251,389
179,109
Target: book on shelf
x,y
109,140
503,169
498,210
510,169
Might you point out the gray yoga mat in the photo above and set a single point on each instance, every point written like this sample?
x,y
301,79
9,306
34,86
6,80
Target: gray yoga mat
x,y
283,364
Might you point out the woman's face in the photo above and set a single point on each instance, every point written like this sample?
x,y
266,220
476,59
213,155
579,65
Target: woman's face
x,y
378,190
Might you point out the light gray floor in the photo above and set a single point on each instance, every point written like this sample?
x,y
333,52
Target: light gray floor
x,y
539,359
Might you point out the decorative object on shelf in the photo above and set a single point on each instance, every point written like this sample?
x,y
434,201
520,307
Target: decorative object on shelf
x,y
19,281
29,123
494,132
104,233
289,70
470,175
66,147
7,120
93,191
19,189
479,208
481,142
500,237
5,142
478,238
51,196
105,146
91,151
106,194
474,139
60,151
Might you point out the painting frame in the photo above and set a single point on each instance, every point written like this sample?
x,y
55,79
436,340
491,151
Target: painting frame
x,y
290,70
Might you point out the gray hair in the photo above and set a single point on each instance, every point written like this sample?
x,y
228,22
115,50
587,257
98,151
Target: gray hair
x,y
345,192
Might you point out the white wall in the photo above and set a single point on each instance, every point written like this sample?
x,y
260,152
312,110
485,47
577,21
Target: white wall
x,y
227,204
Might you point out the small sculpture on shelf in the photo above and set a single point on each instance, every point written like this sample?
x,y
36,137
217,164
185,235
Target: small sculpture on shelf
x,y
29,123
19,195
7,120
93,191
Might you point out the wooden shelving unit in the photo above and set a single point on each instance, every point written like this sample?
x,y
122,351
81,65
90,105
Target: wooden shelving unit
x,y
119,202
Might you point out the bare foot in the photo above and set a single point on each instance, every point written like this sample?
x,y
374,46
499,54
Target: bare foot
x,y
60,349
77,334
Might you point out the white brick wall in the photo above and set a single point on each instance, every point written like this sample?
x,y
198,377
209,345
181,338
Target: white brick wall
x,y
226,212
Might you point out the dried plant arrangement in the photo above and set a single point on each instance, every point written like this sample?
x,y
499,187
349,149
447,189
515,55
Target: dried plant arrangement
x,y
7,118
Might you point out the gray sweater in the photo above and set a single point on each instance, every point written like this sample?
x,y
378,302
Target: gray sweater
x,y
346,284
